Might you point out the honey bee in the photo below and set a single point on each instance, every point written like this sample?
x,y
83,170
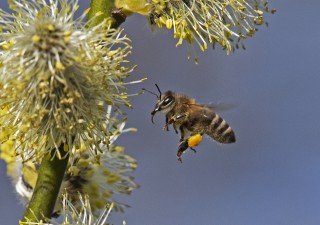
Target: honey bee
x,y
187,116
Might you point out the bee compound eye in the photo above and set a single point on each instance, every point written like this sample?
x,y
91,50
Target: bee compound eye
x,y
167,100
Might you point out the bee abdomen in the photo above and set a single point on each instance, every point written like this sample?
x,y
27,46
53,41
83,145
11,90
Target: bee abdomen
x,y
220,130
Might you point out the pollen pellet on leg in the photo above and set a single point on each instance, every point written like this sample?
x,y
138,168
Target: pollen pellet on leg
x,y
194,140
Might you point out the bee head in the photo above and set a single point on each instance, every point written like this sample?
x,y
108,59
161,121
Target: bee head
x,y
164,103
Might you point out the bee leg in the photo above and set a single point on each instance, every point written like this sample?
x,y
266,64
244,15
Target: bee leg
x,y
195,151
168,122
166,127
179,156
183,146
175,129
177,117
181,137
182,134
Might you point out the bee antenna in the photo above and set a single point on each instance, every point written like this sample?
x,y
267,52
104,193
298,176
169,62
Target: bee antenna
x,y
158,90
150,92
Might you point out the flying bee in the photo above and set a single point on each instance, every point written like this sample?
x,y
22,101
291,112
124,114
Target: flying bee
x,y
187,116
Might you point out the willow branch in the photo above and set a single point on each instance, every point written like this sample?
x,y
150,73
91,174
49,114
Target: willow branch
x,y
51,173
102,9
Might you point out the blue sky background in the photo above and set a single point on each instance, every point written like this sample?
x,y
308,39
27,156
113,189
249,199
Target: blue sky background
x,y
271,175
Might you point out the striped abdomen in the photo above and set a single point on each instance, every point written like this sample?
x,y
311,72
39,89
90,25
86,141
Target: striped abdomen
x,y
220,130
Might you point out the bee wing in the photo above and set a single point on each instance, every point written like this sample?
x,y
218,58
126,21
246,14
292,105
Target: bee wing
x,y
202,112
217,107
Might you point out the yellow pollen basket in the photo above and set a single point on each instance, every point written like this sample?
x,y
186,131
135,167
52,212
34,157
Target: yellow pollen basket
x,y
194,140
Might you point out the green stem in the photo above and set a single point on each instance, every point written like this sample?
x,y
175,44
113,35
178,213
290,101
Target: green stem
x,y
108,10
51,173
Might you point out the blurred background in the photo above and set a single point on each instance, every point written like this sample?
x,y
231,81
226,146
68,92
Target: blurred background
x,y
271,174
